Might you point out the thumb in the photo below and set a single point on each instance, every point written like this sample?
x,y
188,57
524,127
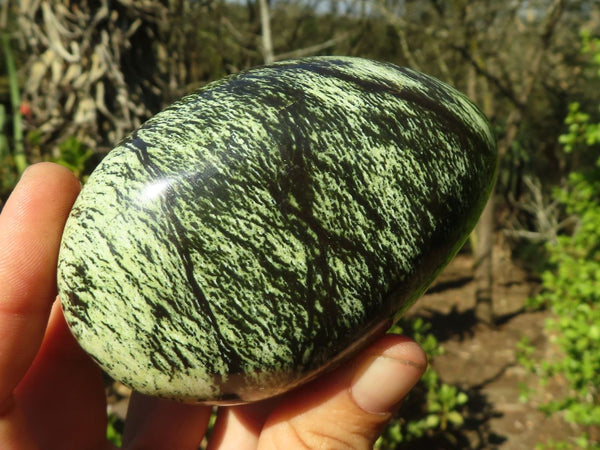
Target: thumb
x,y
349,407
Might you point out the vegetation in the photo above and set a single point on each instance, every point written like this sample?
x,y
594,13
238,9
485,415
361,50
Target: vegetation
x,y
572,284
76,77
12,154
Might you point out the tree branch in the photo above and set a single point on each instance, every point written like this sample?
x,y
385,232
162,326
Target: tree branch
x,y
493,79
311,50
265,25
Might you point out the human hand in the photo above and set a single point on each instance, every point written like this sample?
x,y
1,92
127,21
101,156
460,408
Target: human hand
x,y
52,393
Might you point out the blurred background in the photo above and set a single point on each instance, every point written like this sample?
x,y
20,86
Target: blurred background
x,y
512,326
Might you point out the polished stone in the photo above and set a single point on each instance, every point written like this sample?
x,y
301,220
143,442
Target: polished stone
x,y
263,228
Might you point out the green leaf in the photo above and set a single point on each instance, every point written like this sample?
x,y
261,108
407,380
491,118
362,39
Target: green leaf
x,y
455,418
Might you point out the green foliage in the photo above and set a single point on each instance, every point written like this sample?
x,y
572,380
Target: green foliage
x,y
114,430
572,286
433,408
15,97
8,173
591,46
12,153
73,155
580,443
4,149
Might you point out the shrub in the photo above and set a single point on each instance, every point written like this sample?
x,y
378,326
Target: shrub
x,y
571,287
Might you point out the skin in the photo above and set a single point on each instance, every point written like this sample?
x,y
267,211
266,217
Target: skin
x,y
52,394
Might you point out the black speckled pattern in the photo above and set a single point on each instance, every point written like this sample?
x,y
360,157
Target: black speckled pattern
x,y
260,229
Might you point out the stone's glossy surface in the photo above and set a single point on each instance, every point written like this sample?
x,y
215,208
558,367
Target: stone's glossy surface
x,y
263,228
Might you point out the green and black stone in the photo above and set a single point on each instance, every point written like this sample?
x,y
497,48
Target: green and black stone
x,y
263,228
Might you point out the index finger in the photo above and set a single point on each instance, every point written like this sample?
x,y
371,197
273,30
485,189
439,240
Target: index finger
x,y
31,224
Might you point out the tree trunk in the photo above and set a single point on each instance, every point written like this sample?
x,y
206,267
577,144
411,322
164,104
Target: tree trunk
x,y
482,239
267,38
484,231
483,266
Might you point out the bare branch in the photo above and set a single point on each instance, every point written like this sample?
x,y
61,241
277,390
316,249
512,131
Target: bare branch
x,y
545,213
306,51
74,79
265,24
492,78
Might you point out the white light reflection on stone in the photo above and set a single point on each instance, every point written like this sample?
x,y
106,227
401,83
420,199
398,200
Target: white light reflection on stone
x,y
154,190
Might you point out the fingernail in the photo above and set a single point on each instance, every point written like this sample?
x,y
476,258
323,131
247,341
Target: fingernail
x,y
385,380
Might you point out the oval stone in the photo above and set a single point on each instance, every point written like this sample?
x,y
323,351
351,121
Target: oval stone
x,y
266,227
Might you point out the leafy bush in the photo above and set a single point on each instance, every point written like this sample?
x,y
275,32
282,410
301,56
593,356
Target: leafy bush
x,y
571,287
74,155
114,430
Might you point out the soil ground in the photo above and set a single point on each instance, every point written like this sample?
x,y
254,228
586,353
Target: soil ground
x,y
483,361
480,360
